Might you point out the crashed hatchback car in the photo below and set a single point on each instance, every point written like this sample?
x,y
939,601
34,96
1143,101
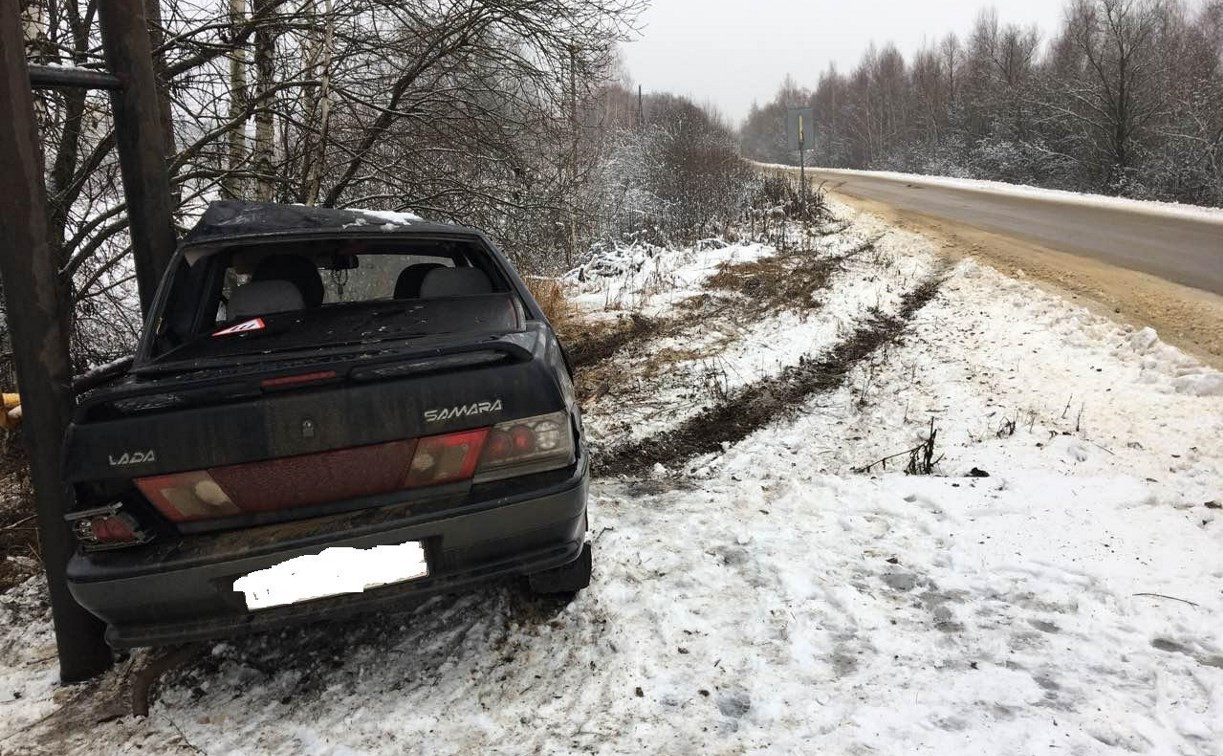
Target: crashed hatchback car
x,y
328,410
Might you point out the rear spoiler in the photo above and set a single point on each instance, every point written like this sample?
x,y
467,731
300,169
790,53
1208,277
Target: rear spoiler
x,y
190,388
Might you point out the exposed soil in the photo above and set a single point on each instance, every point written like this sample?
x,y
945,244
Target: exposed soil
x,y
1188,318
588,343
761,403
791,280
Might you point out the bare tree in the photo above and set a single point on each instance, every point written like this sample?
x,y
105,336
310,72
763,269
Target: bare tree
x,y
1115,94
449,107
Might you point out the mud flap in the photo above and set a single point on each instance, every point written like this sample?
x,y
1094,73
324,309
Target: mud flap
x,y
571,578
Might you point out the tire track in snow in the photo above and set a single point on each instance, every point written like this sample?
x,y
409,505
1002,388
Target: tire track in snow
x,y
739,335
759,404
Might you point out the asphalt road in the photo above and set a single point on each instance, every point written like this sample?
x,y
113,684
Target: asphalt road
x,y
1183,250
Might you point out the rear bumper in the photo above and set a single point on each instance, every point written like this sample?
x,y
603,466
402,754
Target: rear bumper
x,y
170,597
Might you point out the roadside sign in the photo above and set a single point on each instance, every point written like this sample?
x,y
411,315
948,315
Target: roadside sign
x,y
800,128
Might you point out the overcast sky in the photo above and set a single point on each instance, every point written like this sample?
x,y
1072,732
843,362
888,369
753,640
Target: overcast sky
x,y
731,52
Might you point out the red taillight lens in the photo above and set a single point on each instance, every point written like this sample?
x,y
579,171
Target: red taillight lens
x,y
188,496
519,447
524,439
499,444
312,479
284,483
444,459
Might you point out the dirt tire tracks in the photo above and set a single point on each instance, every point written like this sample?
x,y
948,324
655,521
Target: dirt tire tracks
x,y
787,280
761,403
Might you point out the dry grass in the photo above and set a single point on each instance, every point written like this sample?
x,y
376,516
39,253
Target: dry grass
x,y
789,280
590,342
778,282
550,295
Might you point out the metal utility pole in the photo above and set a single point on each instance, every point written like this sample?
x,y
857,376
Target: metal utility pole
x,y
797,122
802,164
37,314
141,141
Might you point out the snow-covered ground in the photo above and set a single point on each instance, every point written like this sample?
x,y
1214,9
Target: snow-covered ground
x,y
728,349
767,599
650,280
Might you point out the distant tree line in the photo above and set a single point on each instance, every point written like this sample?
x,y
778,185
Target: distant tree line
x,y
1126,99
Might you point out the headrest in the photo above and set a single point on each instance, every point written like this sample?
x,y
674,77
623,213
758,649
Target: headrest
x,y
407,286
455,282
263,298
296,269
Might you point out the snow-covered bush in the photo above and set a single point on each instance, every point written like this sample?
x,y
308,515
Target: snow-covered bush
x,y
676,178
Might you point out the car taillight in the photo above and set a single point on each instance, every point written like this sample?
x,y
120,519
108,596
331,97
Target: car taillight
x,y
530,445
187,496
517,447
106,527
443,459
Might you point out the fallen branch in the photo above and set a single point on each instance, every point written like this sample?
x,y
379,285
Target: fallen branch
x,y
19,523
1170,598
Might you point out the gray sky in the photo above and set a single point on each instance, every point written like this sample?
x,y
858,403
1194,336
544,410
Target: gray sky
x,y
731,52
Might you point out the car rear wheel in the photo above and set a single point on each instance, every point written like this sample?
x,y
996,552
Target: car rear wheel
x,y
569,579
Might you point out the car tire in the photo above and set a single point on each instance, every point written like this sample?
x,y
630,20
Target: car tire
x,y
569,579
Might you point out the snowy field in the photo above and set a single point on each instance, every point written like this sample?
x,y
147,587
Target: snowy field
x,y
1067,597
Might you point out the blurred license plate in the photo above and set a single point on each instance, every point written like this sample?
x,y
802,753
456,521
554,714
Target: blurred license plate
x,y
334,572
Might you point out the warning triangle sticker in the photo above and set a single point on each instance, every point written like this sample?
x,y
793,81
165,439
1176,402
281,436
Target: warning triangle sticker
x,y
250,325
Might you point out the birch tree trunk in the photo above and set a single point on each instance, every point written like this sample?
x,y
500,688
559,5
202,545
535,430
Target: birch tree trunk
x,y
316,154
232,186
265,75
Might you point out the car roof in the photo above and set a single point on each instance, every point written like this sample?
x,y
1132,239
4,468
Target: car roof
x,y
227,221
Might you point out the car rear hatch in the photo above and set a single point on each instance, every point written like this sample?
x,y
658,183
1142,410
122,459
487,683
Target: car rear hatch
x,y
303,435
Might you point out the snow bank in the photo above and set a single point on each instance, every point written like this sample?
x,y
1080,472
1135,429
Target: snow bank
x,y
1188,376
649,279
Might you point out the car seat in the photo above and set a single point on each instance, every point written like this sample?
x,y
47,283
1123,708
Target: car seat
x,y
407,286
455,282
263,298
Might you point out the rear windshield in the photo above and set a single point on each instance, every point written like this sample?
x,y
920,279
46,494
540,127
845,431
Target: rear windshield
x,y
270,298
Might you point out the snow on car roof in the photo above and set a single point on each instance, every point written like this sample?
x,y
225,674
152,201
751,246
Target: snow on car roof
x,y
233,219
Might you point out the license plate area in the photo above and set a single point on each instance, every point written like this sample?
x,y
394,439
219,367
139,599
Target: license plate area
x,y
336,571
